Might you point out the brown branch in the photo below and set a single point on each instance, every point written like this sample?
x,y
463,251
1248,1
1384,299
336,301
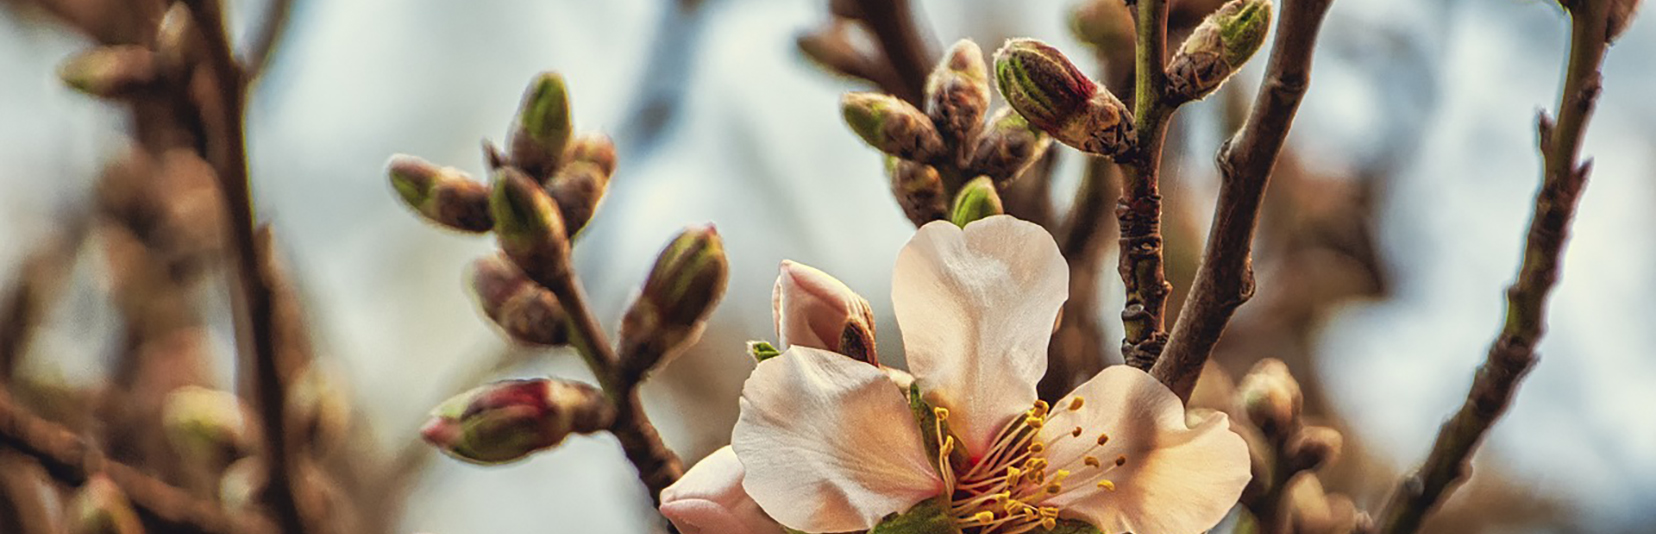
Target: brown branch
x,y
256,325
910,57
1225,279
1513,352
267,36
70,459
1139,208
657,466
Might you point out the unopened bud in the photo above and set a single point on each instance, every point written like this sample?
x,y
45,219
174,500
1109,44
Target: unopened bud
x,y
1621,13
687,281
1313,447
443,195
595,148
957,94
100,507
578,187
529,227
507,420
242,484
919,190
813,309
319,406
893,126
1105,25
527,312
543,126
1043,86
1010,146
1218,47
176,42
206,426
1271,398
976,200
110,71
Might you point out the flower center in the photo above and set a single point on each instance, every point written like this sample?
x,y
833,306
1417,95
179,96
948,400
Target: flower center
x,y
1005,491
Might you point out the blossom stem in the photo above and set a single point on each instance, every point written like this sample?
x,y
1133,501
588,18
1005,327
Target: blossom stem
x,y
1513,353
1139,209
1224,281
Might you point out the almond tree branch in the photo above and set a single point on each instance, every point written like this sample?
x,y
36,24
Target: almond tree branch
x,y
256,326
892,22
1139,209
1225,279
71,460
1513,352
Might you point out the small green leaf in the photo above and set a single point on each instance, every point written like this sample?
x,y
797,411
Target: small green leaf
x,y
762,350
931,516
1072,526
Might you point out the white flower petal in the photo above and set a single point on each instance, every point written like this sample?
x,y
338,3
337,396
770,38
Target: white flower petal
x,y
709,499
829,443
1177,479
811,308
977,307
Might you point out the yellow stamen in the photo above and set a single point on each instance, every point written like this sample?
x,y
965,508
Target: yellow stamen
x,y
941,413
1106,485
983,517
1103,438
1037,447
1121,460
1076,404
1091,461
1075,433
1049,523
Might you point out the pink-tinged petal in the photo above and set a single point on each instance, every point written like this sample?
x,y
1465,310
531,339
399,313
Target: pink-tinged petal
x,y
1176,478
813,309
977,307
709,499
829,444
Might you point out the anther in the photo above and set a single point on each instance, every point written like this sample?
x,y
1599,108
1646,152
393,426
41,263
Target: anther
x,y
1121,460
941,413
1076,404
1049,523
1091,461
1075,433
983,517
1106,485
1037,447
1103,438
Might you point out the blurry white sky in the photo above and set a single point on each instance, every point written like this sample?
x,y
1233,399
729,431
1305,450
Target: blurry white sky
x,y
758,148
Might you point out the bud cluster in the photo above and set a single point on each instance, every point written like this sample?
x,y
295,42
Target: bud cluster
x,y
573,170
935,152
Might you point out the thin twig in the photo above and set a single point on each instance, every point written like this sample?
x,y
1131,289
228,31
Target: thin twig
x,y
1225,279
267,36
256,327
892,22
1513,352
70,459
1139,209
657,466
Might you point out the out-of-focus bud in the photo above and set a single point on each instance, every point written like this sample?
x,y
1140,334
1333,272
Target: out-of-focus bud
x,y
206,426
762,350
813,309
976,200
100,507
709,499
1008,148
1218,48
1313,447
529,227
110,71
543,126
893,126
595,148
957,95
687,281
1043,86
578,187
507,420
443,195
241,484
1105,25
527,312
1312,510
319,406
176,42
919,191
1621,13
1271,398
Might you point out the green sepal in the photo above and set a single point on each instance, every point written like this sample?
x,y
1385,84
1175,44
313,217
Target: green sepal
x,y
1072,526
976,200
931,516
762,350
926,417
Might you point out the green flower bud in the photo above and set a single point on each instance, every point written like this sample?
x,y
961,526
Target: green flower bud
x,y
930,516
919,190
1218,47
1271,398
594,148
957,94
205,426
110,71
529,227
1010,146
508,420
527,312
976,200
543,126
893,126
100,507
578,187
762,350
443,195
1043,86
687,281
